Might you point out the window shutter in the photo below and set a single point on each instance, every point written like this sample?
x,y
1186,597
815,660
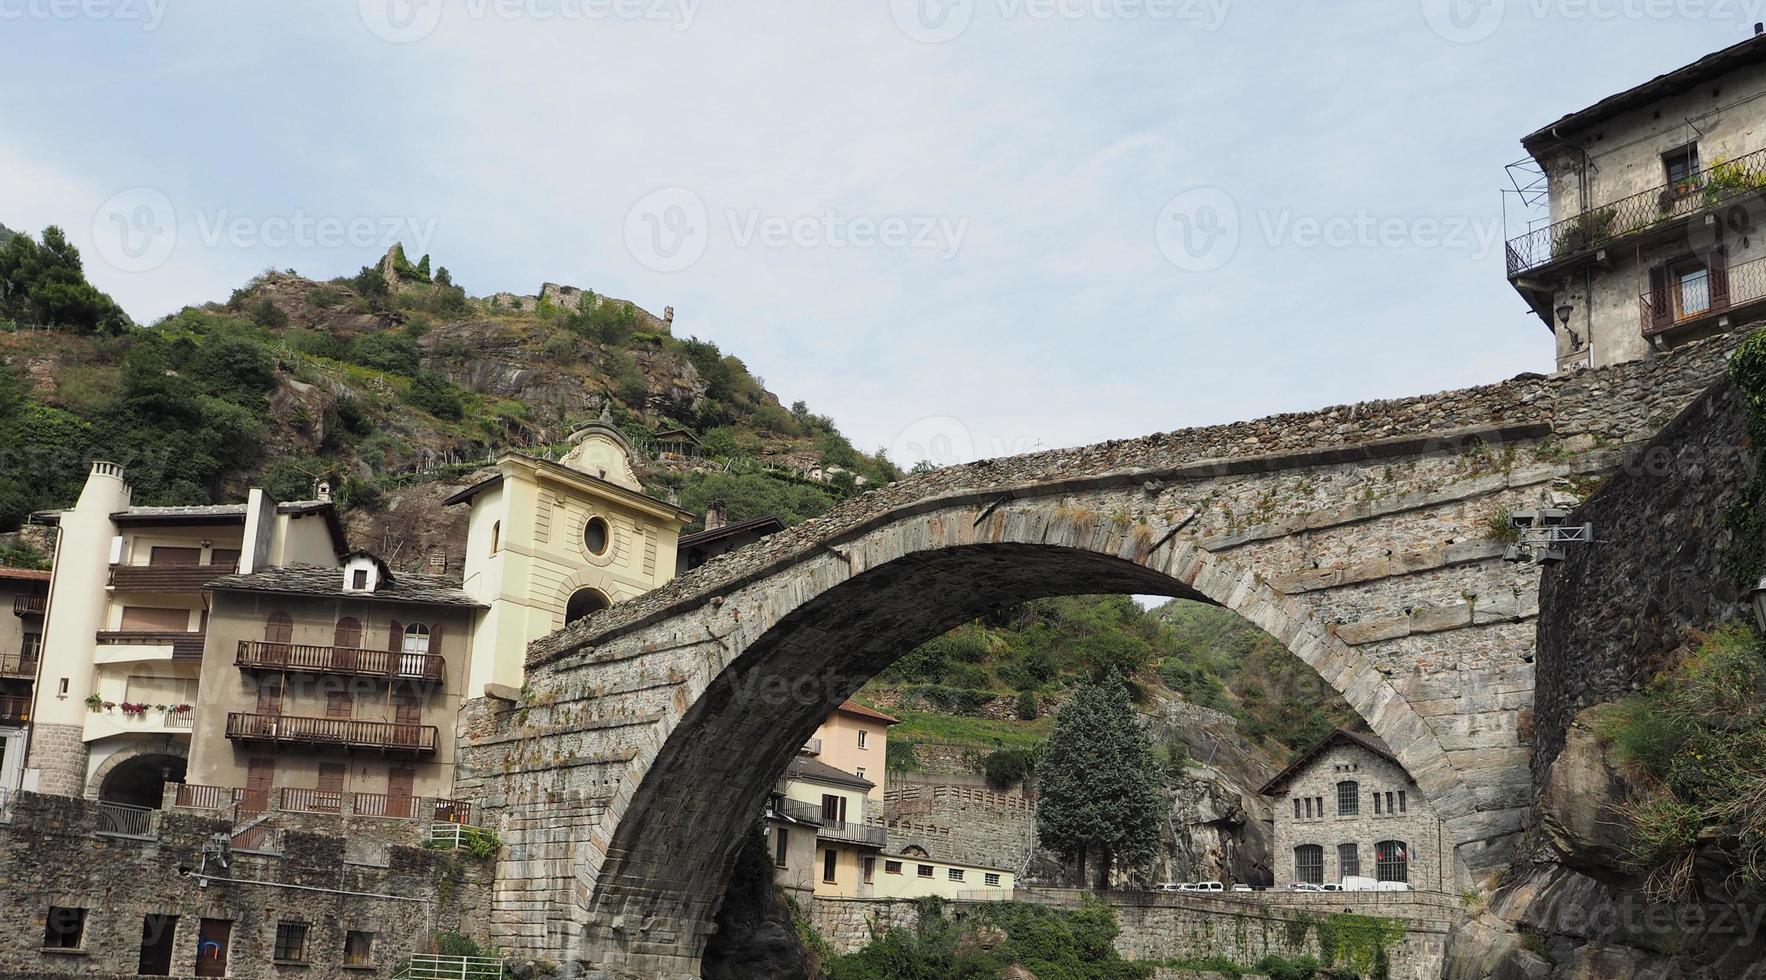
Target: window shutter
x,y
1661,312
395,636
1718,264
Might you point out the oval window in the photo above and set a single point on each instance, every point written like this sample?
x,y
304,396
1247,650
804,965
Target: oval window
x,y
596,536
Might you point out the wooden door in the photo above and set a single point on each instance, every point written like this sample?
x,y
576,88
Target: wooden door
x,y
269,701
407,718
260,776
149,619
161,555
211,947
331,776
346,639
399,784
278,634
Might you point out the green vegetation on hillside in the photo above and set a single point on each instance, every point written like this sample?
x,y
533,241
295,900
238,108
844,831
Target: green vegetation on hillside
x,y
45,285
1050,943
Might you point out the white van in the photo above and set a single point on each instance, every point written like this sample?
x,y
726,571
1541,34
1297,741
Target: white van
x,y
1352,883
1392,886
1210,886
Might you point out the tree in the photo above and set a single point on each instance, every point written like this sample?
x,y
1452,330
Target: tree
x,y
1099,783
46,284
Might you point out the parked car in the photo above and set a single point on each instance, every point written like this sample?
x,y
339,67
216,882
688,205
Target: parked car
x,y
1168,886
1305,886
1189,886
1243,888
1392,886
1331,887
1210,886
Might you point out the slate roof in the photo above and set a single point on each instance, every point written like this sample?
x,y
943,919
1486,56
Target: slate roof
x,y
215,513
854,708
759,526
323,580
1372,743
804,767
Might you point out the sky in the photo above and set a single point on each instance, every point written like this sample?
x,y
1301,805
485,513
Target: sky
x,y
961,228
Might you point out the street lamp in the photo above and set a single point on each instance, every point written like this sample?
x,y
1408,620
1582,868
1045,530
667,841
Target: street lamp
x,y
1564,312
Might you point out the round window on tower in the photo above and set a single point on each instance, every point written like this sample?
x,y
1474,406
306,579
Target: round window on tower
x,y
596,536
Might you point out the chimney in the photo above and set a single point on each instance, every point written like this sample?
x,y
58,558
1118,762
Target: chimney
x,y
1759,28
322,491
714,515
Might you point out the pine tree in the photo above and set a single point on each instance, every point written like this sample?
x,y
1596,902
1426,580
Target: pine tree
x,y
1098,783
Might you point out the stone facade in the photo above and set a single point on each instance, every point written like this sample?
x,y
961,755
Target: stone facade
x,y
1359,537
1352,803
402,895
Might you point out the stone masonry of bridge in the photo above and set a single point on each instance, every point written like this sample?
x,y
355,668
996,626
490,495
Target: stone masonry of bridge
x,y
1359,537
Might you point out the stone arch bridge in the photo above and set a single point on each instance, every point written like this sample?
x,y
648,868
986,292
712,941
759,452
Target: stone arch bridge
x,y
1359,537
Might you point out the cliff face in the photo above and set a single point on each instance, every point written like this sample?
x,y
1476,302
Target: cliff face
x,y
1614,615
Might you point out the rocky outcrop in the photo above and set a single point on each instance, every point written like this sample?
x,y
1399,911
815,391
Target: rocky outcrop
x,y
1579,804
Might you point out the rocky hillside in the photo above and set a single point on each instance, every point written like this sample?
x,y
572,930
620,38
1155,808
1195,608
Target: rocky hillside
x,y
393,384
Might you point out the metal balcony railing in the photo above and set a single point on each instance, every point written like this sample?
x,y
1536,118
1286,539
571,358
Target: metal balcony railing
x,y
796,810
386,736
1723,181
871,835
124,820
1715,292
30,605
15,709
430,966
338,660
18,664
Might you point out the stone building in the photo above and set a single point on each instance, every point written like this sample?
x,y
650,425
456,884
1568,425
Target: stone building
x,y
21,638
1646,212
124,628
549,543
320,681
1346,808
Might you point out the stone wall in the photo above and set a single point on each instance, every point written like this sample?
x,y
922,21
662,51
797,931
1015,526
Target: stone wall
x,y
965,824
1610,612
1415,825
51,854
1245,928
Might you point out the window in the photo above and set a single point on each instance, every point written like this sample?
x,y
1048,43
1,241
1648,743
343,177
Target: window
x,y
923,870
1681,164
358,948
870,870
1692,288
157,934
162,555
1348,861
359,580
956,874
339,704
596,536
63,928
864,738
1401,806
1348,798
347,634
1389,808
833,808
780,845
291,942
1377,810
584,602
1309,863
279,628
1392,861
892,867
496,536
859,772
1296,808
224,557
991,880
830,862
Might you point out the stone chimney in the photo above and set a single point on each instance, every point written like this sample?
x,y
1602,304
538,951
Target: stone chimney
x,y
715,515
322,491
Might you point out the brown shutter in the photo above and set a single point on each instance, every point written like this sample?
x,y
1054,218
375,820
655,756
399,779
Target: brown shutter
x,y
1718,264
432,664
395,636
1661,311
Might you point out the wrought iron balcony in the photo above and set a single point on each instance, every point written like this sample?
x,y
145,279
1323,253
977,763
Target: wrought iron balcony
x,y
14,709
30,605
1700,298
386,736
166,578
19,664
795,810
263,655
869,835
1658,207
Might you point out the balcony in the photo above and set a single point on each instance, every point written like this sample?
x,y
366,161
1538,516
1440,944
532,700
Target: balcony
x,y
343,733
795,810
867,835
292,799
1658,207
260,655
811,747
1702,298
124,645
166,578
18,664
14,709
30,605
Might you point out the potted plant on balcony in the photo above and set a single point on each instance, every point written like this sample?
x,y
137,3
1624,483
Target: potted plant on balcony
x,y
94,702
133,709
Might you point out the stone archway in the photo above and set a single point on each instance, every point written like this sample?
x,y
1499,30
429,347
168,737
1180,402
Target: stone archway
x,y
137,776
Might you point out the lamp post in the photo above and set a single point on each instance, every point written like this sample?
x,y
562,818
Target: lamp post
x,y
1563,313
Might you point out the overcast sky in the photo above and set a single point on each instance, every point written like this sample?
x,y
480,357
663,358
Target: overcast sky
x,y
960,228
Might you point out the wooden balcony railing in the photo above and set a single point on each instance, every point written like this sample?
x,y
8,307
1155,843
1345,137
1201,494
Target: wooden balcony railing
x,y
30,605
15,709
166,578
340,732
185,645
244,802
18,664
338,660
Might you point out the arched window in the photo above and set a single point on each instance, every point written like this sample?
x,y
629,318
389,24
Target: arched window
x,y
1309,863
1392,860
1348,861
348,634
597,536
279,628
583,602
414,650
1348,798
496,536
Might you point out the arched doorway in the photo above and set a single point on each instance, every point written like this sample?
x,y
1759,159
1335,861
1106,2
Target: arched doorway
x,y
141,781
584,602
